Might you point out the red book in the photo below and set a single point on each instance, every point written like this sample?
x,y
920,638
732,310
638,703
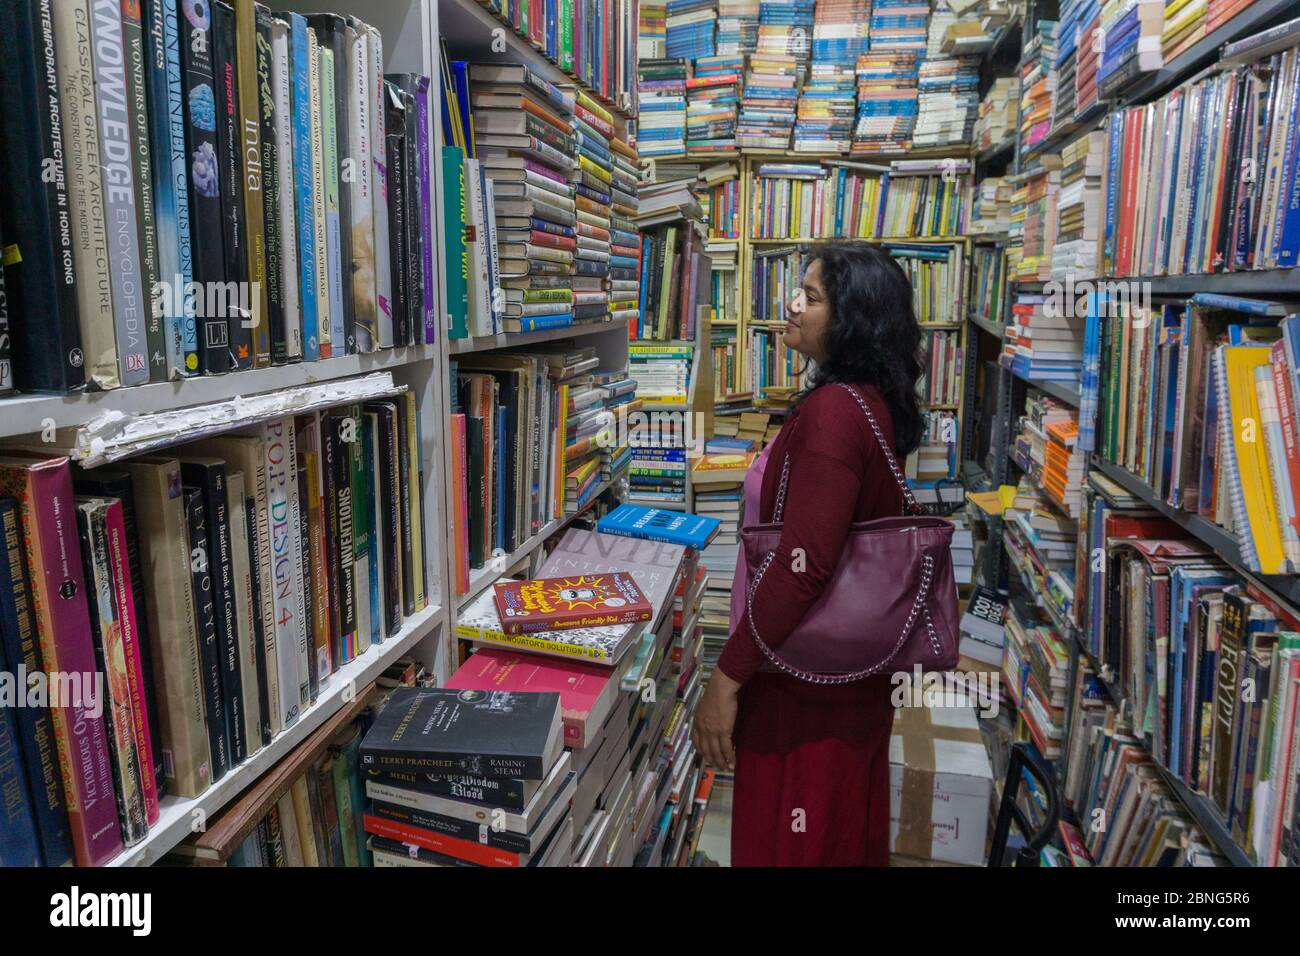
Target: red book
x,y
583,600
587,691
479,853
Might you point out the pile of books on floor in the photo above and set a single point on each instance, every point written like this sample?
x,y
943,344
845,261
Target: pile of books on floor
x,y
661,107
767,101
712,104
690,28
997,113
525,141
1079,204
887,100
617,709
1037,85
737,27
112,214
159,561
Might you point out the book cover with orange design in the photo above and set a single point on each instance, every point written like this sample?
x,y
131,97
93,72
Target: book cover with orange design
x,y
584,600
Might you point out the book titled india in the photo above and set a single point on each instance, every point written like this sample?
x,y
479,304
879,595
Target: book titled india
x,y
252,179
658,524
304,206
170,176
583,600
35,730
480,733
40,278
42,487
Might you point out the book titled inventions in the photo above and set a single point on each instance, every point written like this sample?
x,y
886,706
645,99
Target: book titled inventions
x,y
583,600
484,733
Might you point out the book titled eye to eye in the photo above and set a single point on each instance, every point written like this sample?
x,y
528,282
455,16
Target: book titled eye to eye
x,y
584,600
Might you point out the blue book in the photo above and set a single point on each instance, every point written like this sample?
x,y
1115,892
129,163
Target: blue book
x,y
300,68
35,729
534,323
723,445
170,178
18,843
1233,303
656,524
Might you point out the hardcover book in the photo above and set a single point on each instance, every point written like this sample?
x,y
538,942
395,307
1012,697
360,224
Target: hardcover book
x,y
487,733
584,600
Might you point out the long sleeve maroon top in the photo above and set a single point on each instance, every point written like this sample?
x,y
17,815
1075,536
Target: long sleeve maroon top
x,y
838,475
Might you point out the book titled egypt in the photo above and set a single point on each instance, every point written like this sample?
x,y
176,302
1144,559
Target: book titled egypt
x,y
583,600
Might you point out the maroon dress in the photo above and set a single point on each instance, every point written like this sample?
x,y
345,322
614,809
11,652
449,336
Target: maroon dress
x,y
812,761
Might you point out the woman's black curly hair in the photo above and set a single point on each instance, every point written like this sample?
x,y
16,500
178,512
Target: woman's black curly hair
x,y
873,337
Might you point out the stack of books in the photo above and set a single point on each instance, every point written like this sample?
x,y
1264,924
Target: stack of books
x,y
887,100
469,776
827,100
988,283
948,101
737,27
937,456
1064,465
240,276
997,113
712,104
593,185
785,29
1037,85
690,28
1065,107
626,243
1043,343
983,626
661,107
1043,669
589,424
899,25
652,30
768,99
526,144
1088,45
991,207
1036,208
1133,40
1074,252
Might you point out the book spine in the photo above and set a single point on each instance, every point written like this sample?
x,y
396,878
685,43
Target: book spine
x,y
44,493
280,518
247,646
329,137
304,206
379,164
40,275
324,329
257,650
269,176
302,622
395,178
205,621
288,226
19,843
361,188
239,308
253,176
414,491
455,278
345,167
412,237
329,821
120,566
86,193
361,546
344,429
465,830
110,658
425,170
221,559
18,646
137,84
166,125
131,299
403,508
438,843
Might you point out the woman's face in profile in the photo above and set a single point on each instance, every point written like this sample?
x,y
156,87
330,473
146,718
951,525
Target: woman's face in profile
x,y
808,315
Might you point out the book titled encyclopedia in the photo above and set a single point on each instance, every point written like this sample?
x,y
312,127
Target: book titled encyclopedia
x,y
483,733
660,524
581,600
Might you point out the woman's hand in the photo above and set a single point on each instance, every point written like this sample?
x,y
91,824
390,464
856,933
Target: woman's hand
x,y
715,719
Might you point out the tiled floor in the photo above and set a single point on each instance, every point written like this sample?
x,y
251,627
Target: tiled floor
x,y
715,841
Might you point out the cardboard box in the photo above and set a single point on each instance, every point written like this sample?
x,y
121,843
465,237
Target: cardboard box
x,y
941,784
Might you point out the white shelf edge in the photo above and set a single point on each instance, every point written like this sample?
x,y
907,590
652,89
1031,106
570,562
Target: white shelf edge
x,y
503,340
177,814
24,414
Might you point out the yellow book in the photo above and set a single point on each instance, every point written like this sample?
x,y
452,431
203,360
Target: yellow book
x,y
1248,449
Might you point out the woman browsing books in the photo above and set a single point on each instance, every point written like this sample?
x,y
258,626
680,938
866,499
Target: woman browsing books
x,y
811,761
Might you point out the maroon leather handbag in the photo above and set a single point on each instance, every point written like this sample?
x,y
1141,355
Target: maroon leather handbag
x,y
891,602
